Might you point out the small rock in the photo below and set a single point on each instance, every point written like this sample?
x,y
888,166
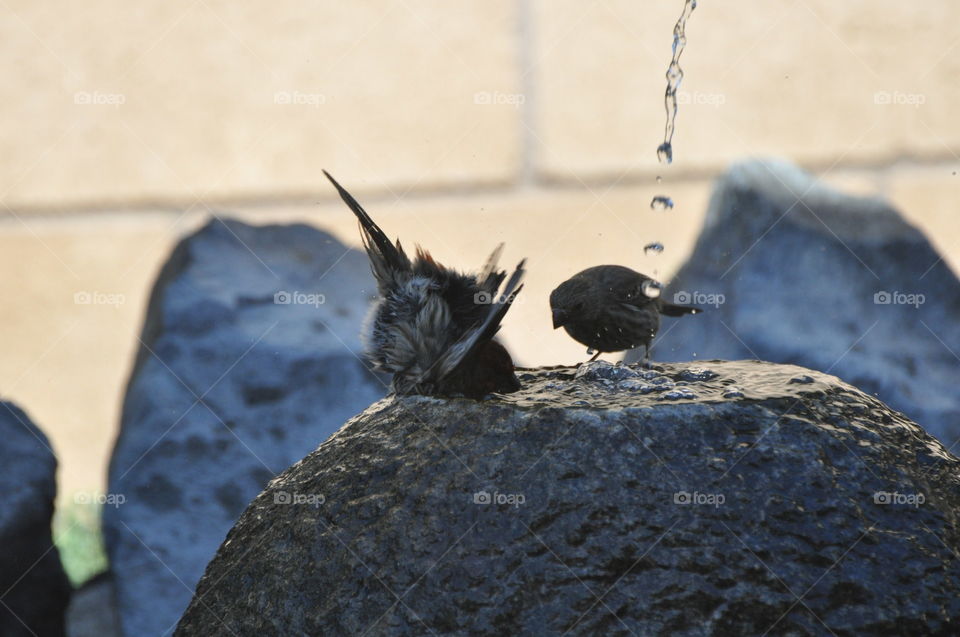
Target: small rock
x,y
34,589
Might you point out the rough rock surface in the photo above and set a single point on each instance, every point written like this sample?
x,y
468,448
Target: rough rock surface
x,y
232,384
789,271
34,590
727,499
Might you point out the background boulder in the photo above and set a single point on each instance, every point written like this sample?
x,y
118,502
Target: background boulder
x,y
34,591
792,271
728,499
249,358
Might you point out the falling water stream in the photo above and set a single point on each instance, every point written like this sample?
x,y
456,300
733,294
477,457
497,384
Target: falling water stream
x,y
674,76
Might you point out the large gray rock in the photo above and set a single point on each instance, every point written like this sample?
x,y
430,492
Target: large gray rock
x,y
34,590
723,501
792,271
231,385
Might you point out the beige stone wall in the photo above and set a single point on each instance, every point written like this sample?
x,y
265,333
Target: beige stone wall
x,y
460,123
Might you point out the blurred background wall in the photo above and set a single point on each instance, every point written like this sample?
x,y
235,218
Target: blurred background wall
x,y
459,124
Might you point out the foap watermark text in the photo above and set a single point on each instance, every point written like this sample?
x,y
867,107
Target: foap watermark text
x,y
686,498
512,499
899,499
296,297
898,298
699,298
286,497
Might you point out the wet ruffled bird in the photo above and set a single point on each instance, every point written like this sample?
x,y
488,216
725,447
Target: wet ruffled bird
x,y
433,327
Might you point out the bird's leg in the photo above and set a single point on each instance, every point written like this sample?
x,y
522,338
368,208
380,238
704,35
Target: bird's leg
x,y
594,357
645,361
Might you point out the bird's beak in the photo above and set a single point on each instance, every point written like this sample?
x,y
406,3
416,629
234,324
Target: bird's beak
x,y
559,318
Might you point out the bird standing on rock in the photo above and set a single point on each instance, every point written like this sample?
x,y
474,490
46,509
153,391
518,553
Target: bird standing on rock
x,y
610,308
433,327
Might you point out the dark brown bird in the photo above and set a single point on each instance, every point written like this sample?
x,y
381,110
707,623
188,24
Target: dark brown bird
x,y
610,308
433,327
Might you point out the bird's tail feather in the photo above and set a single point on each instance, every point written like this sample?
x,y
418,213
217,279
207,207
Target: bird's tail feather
x,y
384,255
669,309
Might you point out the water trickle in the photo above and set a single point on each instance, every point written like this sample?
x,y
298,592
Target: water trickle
x,y
656,247
674,78
638,386
661,203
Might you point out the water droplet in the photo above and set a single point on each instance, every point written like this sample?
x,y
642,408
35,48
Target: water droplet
x,y
665,153
652,288
659,178
656,247
661,203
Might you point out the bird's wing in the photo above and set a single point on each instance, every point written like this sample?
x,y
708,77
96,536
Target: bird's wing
x,y
385,258
483,332
632,292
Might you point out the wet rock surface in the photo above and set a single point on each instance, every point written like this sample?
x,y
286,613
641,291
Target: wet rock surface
x,y
34,591
589,505
250,358
791,271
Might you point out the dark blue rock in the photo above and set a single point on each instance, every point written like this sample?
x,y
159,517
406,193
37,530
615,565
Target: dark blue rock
x,y
34,590
791,271
250,358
